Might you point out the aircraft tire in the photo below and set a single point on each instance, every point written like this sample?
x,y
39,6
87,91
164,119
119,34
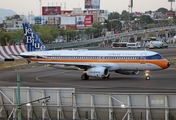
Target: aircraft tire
x,y
84,76
147,77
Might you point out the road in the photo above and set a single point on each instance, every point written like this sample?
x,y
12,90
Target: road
x,y
43,76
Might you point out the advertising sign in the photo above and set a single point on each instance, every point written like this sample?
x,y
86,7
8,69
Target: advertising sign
x,y
84,21
92,4
38,19
88,20
171,0
68,21
80,21
51,10
77,10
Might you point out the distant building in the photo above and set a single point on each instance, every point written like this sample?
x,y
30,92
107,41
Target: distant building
x,y
13,22
170,14
155,15
102,15
136,14
88,17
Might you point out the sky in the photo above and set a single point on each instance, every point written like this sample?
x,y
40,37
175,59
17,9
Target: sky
x,y
26,6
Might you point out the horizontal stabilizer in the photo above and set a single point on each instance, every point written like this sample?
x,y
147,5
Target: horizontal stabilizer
x,y
11,59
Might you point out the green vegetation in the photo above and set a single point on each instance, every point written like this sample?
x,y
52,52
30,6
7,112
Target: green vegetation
x,y
172,61
48,34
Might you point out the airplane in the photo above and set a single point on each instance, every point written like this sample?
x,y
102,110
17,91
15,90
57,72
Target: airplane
x,y
155,43
94,63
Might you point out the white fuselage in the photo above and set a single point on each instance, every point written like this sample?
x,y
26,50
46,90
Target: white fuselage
x,y
155,44
112,59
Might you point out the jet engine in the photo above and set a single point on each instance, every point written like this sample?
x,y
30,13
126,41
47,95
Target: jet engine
x,y
98,72
128,72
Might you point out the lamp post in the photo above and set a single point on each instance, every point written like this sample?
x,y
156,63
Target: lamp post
x,y
103,34
28,103
19,98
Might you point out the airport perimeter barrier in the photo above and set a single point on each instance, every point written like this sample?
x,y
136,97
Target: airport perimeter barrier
x,y
109,37
67,104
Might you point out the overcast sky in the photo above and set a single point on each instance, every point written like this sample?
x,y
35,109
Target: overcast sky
x,y
25,6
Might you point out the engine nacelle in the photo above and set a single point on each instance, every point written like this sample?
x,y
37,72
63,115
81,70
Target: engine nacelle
x,y
128,72
98,72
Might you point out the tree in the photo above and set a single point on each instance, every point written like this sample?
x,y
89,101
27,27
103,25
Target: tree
x,y
14,17
162,10
97,25
146,19
126,16
113,15
174,20
92,31
113,21
6,38
19,36
88,31
46,33
63,32
97,29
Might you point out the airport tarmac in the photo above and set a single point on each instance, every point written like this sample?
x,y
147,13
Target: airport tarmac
x,y
43,76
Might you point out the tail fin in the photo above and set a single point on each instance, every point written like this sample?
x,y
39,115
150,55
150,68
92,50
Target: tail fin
x,y
34,43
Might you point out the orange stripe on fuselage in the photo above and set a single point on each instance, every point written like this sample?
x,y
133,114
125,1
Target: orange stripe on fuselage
x,y
161,63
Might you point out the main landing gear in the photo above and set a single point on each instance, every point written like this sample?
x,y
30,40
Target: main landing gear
x,y
147,75
84,76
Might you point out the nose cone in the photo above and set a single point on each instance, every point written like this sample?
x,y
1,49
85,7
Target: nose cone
x,y
168,64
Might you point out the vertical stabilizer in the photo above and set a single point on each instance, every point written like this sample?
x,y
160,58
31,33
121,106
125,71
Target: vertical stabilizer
x,y
33,41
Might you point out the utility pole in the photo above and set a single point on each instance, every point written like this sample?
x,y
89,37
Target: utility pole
x,y
171,5
130,6
171,1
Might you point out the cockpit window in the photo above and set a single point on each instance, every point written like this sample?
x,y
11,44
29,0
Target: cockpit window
x,y
156,56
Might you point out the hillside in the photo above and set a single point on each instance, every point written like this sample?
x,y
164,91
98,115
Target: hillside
x,y
6,12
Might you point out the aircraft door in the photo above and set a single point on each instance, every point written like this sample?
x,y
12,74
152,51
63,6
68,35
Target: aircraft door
x,y
101,58
142,58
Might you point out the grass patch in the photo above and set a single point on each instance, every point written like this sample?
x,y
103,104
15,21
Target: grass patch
x,y
9,64
172,61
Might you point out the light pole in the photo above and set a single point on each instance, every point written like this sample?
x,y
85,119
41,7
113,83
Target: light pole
x,y
28,103
171,5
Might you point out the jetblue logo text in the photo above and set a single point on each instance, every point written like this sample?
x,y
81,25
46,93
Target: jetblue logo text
x,y
30,39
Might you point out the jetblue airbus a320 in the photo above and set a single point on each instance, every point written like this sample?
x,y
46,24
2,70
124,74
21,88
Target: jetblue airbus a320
x,y
94,63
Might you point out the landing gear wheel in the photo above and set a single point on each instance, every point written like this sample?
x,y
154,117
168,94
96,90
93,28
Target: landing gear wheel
x,y
147,77
84,76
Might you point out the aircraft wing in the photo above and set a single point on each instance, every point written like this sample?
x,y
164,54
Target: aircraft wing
x,y
78,65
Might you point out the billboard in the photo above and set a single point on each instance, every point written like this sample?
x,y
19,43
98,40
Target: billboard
x,y
51,10
68,21
77,10
84,21
92,4
171,0
88,20
38,19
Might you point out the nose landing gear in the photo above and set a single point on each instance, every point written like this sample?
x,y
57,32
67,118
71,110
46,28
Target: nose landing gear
x,y
147,75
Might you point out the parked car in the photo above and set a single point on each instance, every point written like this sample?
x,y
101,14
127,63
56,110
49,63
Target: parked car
x,y
134,45
165,45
